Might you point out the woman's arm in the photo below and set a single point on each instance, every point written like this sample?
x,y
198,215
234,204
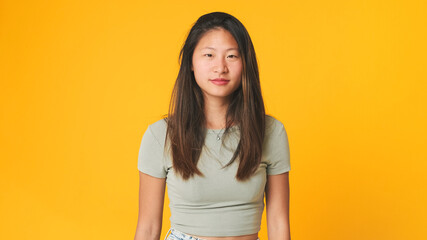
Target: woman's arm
x,y
151,197
277,205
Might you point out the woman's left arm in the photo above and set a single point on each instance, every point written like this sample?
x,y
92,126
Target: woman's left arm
x,y
277,205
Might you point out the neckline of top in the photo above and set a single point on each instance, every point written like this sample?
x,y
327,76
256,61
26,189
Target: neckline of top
x,y
217,131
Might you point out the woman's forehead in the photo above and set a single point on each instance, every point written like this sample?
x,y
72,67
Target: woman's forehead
x,y
217,39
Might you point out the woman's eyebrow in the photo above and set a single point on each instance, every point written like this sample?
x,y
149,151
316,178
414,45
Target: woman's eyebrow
x,y
228,49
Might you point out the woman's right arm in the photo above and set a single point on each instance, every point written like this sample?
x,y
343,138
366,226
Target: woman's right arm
x,y
151,199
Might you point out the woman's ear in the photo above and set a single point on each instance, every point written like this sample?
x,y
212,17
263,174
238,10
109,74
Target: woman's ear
x,y
192,68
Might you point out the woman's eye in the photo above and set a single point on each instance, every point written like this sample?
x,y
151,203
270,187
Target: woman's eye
x,y
208,55
232,56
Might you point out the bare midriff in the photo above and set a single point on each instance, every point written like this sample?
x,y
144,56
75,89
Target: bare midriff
x,y
244,237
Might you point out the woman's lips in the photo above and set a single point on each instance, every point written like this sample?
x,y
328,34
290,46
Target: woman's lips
x,y
220,81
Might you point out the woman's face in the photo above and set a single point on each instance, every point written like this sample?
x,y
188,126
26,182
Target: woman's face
x,y
217,64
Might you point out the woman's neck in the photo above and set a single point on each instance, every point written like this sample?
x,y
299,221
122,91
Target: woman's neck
x,y
215,112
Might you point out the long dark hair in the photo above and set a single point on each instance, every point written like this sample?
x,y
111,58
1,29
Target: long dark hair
x,y
186,120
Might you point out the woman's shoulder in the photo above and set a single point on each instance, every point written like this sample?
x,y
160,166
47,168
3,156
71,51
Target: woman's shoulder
x,y
272,124
158,128
159,124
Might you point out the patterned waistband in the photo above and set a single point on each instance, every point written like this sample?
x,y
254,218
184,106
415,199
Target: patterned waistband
x,y
182,236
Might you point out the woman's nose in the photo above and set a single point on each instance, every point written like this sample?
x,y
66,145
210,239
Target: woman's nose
x,y
220,66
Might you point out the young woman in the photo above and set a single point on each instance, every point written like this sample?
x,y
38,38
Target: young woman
x,y
217,151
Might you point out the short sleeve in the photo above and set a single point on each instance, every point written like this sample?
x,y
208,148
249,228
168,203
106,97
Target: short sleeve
x,y
150,157
278,151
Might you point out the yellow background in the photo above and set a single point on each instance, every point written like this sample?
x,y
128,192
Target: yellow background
x,y
81,81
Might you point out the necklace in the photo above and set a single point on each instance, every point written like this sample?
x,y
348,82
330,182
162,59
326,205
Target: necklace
x,y
218,134
218,137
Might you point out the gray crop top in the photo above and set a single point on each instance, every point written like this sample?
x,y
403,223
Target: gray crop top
x,y
216,204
